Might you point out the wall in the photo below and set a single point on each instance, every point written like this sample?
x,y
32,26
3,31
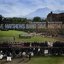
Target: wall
x,y
33,25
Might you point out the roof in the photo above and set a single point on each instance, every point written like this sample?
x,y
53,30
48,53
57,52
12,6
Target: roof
x,y
55,17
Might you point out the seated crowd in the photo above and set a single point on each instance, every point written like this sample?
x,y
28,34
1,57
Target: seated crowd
x,y
34,48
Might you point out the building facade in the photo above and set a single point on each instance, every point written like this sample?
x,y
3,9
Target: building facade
x,y
55,20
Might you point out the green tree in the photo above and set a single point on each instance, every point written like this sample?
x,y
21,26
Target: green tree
x,y
37,19
25,22
1,19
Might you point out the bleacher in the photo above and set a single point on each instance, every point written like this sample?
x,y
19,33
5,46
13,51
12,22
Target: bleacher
x,y
35,47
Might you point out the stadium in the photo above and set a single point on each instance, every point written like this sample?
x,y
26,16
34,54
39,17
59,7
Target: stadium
x,y
31,33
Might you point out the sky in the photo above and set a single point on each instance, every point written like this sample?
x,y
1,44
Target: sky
x,y
20,8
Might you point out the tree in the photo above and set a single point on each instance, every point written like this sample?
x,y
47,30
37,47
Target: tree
x,y
25,22
37,19
0,19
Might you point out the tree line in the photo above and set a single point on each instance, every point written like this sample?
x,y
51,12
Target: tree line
x,y
18,20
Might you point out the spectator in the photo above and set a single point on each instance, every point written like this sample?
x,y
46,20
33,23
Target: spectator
x,y
29,56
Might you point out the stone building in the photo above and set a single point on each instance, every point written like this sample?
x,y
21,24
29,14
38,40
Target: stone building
x,y
55,25
55,20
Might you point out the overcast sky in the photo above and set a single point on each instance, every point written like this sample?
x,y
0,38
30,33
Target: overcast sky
x,y
11,8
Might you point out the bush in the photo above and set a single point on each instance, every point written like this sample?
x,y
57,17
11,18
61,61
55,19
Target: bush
x,y
62,32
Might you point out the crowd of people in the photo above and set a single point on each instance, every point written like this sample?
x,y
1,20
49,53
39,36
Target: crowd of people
x,y
28,49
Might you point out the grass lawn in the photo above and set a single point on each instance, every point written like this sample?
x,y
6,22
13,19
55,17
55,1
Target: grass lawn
x,y
47,60
37,38
36,60
9,35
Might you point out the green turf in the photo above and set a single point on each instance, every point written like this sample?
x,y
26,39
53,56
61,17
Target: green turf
x,y
9,35
47,60
36,60
37,38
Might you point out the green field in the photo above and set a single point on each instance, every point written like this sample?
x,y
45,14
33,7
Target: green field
x,y
9,35
47,60
36,60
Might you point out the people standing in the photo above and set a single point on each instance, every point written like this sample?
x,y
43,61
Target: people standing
x,y
29,56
